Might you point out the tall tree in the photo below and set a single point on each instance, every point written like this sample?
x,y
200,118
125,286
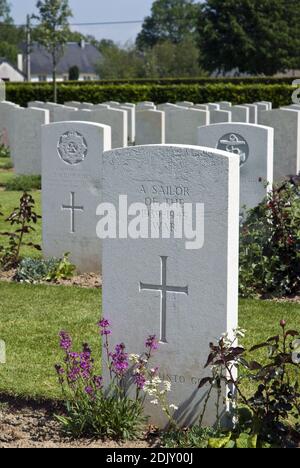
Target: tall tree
x,y
53,30
5,11
253,36
172,20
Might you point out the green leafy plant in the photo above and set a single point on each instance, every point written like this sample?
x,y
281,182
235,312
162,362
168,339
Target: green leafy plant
x,y
32,270
4,151
63,269
21,219
270,244
265,417
24,183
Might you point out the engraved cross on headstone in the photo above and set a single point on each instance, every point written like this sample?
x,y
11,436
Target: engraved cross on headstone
x,y
164,289
73,208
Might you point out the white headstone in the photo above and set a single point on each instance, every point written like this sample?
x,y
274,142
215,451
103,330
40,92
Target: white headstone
x,y
253,146
286,124
7,126
145,105
186,298
213,106
182,124
225,105
166,106
130,119
150,127
253,114
26,146
71,190
219,116
240,114
185,104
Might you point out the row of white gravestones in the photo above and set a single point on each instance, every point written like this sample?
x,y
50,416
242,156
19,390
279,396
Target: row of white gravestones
x,y
187,298
71,190
117,119
253,146
20,130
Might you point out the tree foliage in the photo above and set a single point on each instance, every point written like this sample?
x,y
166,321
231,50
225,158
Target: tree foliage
x,y
5,16
165,59
253,36
53,30
172,20
10,35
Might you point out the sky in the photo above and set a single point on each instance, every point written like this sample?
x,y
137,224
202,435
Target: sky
x,y
91,11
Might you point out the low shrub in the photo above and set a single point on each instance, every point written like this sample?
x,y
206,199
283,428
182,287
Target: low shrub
x,y
33,270
270,244
270,416
24,183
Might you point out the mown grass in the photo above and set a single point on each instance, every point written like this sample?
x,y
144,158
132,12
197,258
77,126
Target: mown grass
x,y
30,320
32,316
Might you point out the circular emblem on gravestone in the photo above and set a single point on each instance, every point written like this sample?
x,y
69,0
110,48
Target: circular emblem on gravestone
x,y
72,147
234,143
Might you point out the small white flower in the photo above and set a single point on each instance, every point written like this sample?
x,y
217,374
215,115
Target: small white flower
x,y
156,381
154,402
296,358
296,345
167,386
240,333
173,407
134,358
296,352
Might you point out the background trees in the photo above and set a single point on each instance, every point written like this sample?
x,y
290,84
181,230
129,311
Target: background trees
x,y
10,35
180,38
171,20
250,36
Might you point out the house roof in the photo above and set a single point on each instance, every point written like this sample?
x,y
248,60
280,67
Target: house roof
x,y
85,56
4,60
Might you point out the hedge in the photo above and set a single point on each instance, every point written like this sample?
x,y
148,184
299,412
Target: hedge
x,y
279,94
178,81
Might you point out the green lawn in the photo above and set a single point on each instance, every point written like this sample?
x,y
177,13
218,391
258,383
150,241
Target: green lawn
x,y
32,316
9,201
5,163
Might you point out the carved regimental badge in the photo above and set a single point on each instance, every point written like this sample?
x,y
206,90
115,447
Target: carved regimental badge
x,y
234,143
72,148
